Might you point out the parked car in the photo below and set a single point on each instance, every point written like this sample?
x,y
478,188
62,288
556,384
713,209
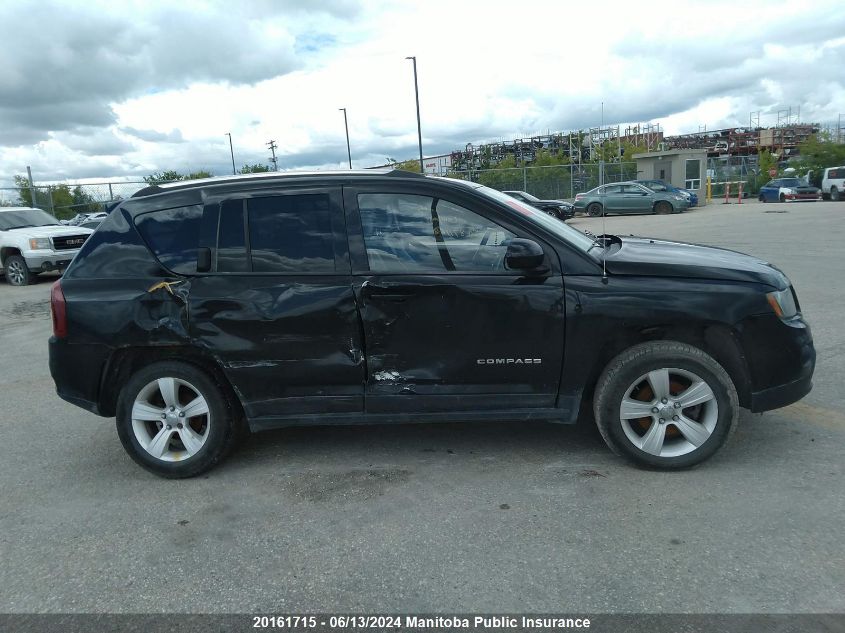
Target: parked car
x,y
659,185
32,241
629,197
788,190
559,209
202,309
833,182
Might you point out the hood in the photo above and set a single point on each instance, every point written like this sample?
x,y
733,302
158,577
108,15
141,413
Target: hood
x,y
661,258
48,231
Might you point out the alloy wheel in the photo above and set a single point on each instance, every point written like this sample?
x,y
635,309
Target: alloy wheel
x,y
170,419
15,272
669,412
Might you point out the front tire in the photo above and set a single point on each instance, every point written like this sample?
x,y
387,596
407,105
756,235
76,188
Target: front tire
x,y
174,421
665,404
834,194
662,208
16,270
594,209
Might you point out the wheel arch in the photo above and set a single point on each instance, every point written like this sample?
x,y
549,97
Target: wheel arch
x,y
125,361
8,251
715,339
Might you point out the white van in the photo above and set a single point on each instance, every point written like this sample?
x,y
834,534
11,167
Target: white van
x,y
833,182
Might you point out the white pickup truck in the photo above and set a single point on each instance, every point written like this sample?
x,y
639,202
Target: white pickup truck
x,y
833,183
32,241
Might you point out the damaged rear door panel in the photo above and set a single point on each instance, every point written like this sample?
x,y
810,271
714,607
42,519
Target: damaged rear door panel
x,y
277,309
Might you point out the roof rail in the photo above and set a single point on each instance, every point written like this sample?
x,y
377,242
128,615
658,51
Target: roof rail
x,y
401,173
147,191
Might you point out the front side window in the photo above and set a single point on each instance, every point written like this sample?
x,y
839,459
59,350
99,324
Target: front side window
x,y
173,235
693,174
413,233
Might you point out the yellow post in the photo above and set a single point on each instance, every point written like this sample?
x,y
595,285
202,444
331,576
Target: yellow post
x,y
709,189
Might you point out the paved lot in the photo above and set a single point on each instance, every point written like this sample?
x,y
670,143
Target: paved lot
x,y
485,517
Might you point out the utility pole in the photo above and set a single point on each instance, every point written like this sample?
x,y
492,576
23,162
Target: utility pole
x,y
272,145
232,152
31,186
419,127
346,126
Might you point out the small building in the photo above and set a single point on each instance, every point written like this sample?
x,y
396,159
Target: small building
x,y
684,168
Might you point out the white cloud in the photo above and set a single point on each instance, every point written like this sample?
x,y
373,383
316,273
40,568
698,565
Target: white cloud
x,y
162,92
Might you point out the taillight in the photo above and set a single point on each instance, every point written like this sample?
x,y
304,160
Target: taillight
x,y
58,309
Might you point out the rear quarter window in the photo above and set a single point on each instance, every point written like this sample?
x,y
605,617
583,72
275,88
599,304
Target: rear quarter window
x,y
173,236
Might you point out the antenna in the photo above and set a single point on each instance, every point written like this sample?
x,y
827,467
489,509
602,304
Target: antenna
x,y
603,212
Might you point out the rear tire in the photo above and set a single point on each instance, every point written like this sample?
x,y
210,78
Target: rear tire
x,y
700,412
16,271
834,194
594,209
782,198
158,437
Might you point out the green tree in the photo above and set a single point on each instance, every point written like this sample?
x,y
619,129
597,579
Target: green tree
x,y
405,165
169,175
257,168
816,154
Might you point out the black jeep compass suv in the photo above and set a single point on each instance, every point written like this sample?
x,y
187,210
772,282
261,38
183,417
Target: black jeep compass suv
x,y
201,310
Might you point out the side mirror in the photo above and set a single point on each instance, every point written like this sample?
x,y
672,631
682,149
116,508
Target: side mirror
x,y
203,260
524,254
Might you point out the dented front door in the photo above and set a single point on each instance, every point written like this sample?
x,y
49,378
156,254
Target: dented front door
x,y
446,327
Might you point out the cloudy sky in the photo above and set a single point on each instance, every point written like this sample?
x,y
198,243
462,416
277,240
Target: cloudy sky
x,y
115,90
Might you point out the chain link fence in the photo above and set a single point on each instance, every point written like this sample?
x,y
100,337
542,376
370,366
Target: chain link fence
x,y
64,201
553,182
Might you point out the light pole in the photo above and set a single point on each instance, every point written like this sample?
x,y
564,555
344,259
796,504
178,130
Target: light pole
x,y
419,127
232,152
346,126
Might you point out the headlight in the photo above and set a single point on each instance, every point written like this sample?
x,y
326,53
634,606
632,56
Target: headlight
x,y
40,243
783,303
681,198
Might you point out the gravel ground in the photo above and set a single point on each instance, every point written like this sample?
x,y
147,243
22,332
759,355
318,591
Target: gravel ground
x,y
440,518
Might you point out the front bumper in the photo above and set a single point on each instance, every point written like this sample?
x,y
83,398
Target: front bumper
x,y
780,396
47,260
802,197
781,359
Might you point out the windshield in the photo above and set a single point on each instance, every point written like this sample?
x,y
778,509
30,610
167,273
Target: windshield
x,y
528,196
655,186
555,226
790,182
24,218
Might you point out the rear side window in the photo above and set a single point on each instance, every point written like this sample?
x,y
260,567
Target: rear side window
x,y
231,240
291,234
173,236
